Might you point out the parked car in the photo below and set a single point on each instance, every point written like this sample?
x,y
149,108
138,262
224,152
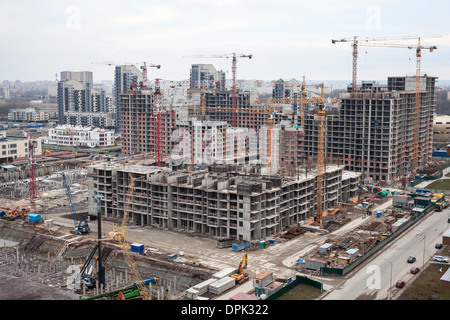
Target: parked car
x,y
438,245
415,270
440,259
411,259
400,284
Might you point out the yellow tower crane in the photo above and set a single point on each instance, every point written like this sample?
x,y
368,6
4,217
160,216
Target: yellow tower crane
x,y
119,235
320,158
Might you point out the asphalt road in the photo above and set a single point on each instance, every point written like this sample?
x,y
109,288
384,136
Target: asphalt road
x,y
376,279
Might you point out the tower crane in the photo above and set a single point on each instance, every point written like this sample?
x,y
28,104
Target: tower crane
x,y
143,66
32,144
357,41
233,57
320,158
418,48
121,238
157,108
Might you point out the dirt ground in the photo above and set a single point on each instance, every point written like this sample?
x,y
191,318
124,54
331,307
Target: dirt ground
x,y
31,290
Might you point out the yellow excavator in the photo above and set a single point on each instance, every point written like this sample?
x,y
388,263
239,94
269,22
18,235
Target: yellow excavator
x,y
240,276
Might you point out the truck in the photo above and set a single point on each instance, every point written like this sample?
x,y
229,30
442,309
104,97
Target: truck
x,y
367,205
440,205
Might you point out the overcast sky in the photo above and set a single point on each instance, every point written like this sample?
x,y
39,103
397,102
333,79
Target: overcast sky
x,y
287,38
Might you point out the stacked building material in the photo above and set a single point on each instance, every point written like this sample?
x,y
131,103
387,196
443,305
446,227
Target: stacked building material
x,y
226,272
222,285
202,287
191,293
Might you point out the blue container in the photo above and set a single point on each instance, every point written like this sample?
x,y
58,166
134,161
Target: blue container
x,y
379,214
32,217
272,241
172,256
137,247
242,246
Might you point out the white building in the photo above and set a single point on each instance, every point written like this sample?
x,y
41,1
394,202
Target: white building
x,y
441,128
4,92
28,115
14,148
78,136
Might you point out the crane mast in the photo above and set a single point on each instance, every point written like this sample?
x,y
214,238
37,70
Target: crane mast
x,y
320,159
120,236
233,57
157,102
33,192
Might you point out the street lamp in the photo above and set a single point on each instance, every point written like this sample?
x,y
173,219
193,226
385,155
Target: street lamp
x,y
390,282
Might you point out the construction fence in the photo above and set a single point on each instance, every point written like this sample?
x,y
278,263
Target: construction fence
x,y
298,280
381,244
428,178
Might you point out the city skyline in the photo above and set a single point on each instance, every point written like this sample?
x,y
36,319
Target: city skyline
x,y
289,39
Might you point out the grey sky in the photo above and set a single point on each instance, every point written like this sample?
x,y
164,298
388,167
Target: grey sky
x,y
288,38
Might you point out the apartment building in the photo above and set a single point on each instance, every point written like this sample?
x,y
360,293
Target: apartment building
x,y
205,76
28,115
373,130
74,96
4,92
138,123
14,148
291,145
124,77
207,142
80,104
441,128
82,76
77,136
218,201
286,89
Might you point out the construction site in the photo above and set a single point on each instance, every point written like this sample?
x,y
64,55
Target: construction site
x,y
190,228
280,186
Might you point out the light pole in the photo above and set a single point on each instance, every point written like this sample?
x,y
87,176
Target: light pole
x,y
390,281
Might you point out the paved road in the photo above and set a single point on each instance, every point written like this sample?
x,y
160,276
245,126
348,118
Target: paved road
x,y
374,279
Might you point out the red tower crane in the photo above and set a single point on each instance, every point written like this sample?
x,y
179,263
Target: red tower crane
x,y
33,192
157,106
234,57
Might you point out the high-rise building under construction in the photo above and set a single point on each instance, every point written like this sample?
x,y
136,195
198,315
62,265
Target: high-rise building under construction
x,y
373,130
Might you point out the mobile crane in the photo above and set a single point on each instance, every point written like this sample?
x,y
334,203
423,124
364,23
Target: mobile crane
x,y
82,226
